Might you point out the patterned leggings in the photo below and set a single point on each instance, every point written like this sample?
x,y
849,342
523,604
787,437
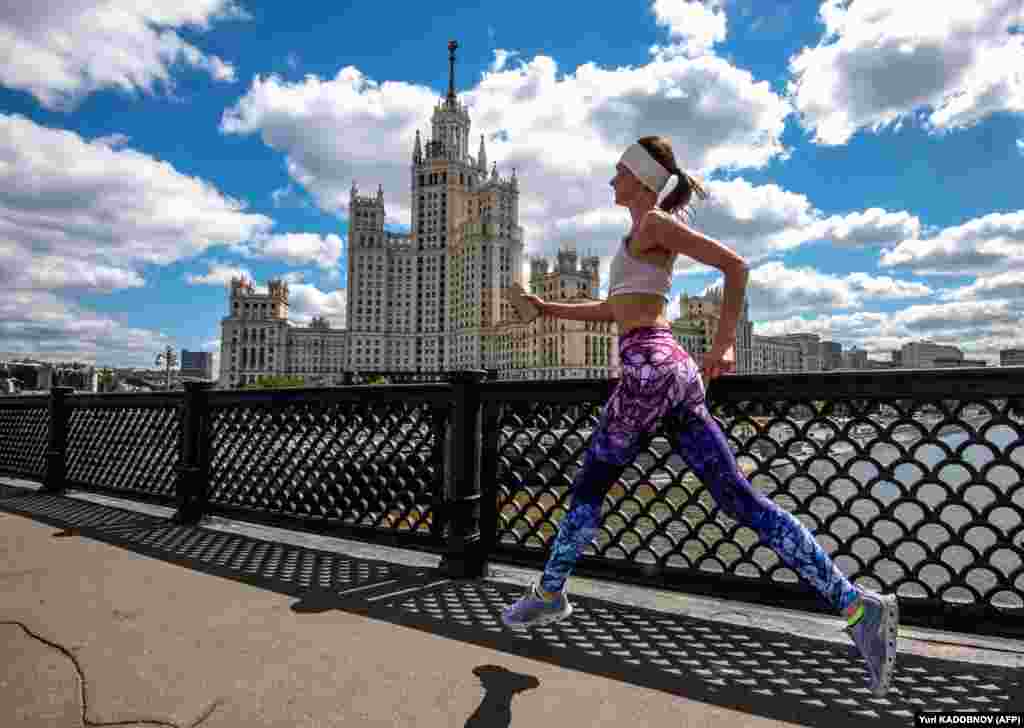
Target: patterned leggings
x,y
659,378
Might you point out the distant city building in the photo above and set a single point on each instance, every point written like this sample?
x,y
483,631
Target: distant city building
x,y
831,354
810,350
82,378
776,354
1011,357
258,339
876,364
43,376
855,358
31,376
550,348
940,362
196,364
697,327
922,354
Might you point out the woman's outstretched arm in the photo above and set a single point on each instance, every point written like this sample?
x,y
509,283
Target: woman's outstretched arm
x,y
596,311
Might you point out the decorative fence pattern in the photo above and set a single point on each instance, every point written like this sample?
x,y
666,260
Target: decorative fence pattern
x,y
358,458
124,443
24,429
909,490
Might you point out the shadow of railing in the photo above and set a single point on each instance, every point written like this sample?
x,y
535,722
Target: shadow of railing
x,y
757,671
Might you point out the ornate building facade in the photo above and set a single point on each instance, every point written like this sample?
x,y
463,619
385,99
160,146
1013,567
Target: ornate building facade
x,y
697,325
433,299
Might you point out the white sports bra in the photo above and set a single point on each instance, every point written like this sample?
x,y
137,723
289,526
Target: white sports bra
x,y
632,275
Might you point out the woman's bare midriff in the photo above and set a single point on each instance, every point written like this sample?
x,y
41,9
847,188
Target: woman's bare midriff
x,y
637,310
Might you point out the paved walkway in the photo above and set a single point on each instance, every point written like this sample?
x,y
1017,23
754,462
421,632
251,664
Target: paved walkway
x,y
115,616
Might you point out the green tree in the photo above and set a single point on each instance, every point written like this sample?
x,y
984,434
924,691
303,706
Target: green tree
x,y
276,381
105,379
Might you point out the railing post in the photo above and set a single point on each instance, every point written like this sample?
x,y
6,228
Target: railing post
x,y
491,416
56,456
464,559
194,459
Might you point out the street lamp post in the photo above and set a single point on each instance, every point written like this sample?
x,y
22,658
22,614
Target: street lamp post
x,y
170,359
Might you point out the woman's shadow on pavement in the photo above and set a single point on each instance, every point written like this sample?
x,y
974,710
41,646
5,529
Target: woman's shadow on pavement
x,y
500,686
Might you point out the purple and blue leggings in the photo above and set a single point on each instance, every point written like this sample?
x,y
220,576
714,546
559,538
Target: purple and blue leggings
x,y
660,379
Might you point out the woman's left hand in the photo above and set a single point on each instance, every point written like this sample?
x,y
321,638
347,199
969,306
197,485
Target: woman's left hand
x,y
718,362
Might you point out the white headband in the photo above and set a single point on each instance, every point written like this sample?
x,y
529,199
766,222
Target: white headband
x,y
648,170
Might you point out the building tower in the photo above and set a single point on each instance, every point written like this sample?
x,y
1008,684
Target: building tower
x,y
278,298
253,334
367,304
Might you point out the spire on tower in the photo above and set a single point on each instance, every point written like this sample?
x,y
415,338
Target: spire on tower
x,y
481,161
452,45
380,192
417,151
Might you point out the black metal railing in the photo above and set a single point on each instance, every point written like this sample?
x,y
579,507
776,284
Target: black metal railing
x,y
911,480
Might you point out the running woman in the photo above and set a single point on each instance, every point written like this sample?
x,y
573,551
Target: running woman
x,y
660,382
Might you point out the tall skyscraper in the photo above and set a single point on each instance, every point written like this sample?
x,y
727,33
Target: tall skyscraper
x,y
433,299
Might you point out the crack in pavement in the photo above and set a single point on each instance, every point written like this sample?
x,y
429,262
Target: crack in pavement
x,y
81,689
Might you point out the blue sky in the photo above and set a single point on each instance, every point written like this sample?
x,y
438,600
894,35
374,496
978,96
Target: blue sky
x,y
864,157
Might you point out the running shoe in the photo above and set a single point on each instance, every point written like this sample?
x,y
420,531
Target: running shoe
x,y
875,637
533,610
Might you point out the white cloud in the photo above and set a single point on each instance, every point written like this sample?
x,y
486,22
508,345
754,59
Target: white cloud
x,y
964,317
695,26
562,133
60,51
221,274
987,244
57,272
1008,285
93,215
501,58
218,274
79,217
298,248
762,221
306,301
880,61
776,291
1020,146
112,140
877,288
295,276
871,227
41,322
